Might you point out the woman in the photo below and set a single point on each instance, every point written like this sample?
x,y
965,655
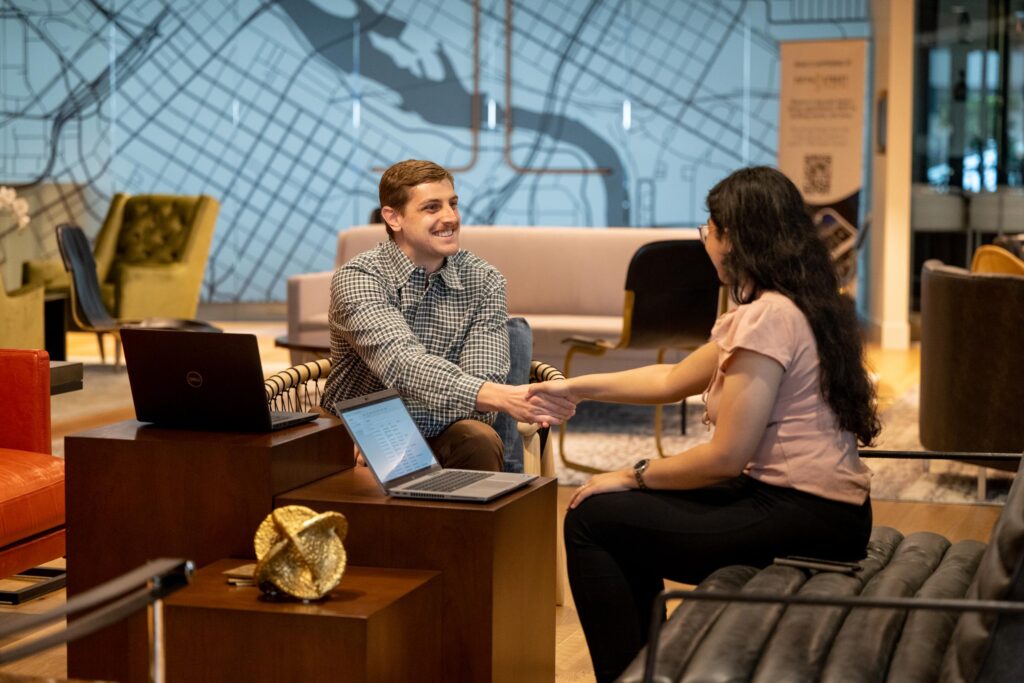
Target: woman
x,y
785,386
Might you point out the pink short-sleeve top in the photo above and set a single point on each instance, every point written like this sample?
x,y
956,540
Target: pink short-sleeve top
x,y
802,447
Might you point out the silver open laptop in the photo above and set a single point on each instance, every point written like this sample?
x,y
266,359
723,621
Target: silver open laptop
x,y
401,460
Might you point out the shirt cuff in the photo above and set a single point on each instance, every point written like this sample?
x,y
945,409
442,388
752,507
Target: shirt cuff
x,y
465,391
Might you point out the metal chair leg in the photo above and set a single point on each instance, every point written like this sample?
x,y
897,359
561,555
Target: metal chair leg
x,y
657,429
659,413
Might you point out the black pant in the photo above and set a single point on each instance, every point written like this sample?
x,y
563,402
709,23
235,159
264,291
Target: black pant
x,y
620,547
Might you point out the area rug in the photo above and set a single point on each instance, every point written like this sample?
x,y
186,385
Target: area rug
x,y
611,436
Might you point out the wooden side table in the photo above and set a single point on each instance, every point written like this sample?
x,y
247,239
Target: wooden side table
x,y
380,625
65,376
134,492
497,564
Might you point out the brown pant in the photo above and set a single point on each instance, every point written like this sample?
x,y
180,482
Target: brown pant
x,y
469,445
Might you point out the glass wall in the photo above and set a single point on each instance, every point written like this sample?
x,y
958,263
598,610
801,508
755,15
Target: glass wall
x,y
550,112
968,167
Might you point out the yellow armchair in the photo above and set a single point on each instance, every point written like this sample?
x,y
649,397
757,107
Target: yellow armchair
x,y
150,256
21,318
991,258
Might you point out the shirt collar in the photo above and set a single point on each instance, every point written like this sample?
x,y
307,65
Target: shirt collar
x,y
400,268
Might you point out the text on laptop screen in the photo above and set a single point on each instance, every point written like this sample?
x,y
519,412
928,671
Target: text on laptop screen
x,y
389,439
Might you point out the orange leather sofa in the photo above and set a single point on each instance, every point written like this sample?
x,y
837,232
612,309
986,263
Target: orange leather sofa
x,y
31,480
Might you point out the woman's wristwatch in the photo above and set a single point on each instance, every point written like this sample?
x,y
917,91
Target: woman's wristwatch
x,y
639,467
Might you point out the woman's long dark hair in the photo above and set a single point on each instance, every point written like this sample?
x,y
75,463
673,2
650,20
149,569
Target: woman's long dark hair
x,y
775,247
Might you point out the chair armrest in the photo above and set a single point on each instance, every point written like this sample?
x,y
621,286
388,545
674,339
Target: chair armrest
x,y
294,379
308,295
21,319
589,344
938,455
26,290
528,429
537,456
49,273
25,401
154,291
543,372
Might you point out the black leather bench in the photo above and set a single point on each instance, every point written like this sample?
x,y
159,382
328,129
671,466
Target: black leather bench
x,y
782,623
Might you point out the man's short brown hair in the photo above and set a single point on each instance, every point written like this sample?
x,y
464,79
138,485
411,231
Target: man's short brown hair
x,y
396,181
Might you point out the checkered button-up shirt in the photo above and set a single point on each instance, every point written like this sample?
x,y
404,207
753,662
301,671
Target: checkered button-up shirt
x,y
435,339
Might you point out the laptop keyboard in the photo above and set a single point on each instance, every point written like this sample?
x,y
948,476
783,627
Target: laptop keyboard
x,y
450,481
283,419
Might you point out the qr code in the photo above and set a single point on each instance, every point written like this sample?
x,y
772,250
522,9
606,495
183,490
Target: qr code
x,y
818,174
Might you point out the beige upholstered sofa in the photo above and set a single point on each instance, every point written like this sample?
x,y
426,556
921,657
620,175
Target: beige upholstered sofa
x,y
564,281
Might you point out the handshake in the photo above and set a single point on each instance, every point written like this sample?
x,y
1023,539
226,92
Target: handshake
x,y
544,403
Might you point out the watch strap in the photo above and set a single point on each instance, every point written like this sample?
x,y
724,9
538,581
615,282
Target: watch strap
x,y
638,471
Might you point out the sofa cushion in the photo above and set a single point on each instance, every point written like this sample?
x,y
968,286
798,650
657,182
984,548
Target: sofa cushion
x,y
864,645
31,494
562,325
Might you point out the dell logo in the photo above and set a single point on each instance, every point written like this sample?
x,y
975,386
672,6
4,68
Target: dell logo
x,y
194,379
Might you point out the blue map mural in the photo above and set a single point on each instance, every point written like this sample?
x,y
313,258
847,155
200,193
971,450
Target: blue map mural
x,y
551,112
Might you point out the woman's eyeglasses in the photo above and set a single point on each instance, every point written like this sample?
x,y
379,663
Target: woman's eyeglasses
x,y
703,229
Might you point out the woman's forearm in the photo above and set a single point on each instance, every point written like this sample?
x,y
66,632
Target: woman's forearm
x,y
648,384
652,383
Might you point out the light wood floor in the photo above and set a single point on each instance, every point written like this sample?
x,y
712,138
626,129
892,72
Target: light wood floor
x,y
897,372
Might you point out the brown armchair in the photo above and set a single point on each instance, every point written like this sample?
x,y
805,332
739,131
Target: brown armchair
x,y
972,377
150,256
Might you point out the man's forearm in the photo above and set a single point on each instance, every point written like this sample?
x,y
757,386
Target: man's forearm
x,y
493,398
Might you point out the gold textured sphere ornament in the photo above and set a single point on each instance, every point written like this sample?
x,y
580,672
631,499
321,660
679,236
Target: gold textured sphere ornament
x,y
300,552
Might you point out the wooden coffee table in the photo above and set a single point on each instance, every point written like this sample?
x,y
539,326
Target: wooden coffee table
x,y
497,564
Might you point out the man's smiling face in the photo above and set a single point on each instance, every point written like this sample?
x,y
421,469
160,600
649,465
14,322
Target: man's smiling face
x,y
427,228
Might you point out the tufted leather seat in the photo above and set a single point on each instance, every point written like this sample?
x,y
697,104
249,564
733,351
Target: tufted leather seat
x,y
31,480
766,642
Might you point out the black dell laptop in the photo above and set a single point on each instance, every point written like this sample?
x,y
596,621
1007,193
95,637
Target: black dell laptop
x,y
200,380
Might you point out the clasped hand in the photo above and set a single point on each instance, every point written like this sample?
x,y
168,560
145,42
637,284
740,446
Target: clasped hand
x,y
544,408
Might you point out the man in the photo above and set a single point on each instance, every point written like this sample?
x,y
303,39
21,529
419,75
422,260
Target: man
x,y
419,315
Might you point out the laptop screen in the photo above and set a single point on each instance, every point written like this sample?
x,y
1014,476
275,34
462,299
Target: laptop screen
x,y
388,437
